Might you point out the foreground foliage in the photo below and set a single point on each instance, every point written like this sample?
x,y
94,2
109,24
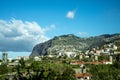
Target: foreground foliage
x,y
42,70
106,72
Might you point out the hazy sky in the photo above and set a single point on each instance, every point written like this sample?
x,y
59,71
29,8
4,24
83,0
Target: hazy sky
x,y
24,23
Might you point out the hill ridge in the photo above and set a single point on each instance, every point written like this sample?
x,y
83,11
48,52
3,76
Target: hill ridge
x,y
70,42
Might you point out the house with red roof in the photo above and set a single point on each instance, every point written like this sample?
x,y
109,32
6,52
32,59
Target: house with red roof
x,y
77,63
83,76
106,62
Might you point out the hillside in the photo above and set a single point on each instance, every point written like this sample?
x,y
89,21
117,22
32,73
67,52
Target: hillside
x,y
71,42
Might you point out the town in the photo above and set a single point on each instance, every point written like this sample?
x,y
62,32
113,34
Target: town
x,y
80,62
59,39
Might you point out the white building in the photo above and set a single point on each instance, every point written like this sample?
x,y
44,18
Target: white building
x,y
37,58
24,57
114,47
106,62
70,54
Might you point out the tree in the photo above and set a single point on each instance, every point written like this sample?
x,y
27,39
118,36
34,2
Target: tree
x,y
105,72
68,74
3,69
22,63
116,65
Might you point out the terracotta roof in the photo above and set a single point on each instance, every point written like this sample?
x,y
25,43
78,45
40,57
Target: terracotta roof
x,y
105,61
87,74
81,75
95,63
78,62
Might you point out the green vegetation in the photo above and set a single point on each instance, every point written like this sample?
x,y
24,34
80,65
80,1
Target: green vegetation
x,y
57,69
106,72
3,69
39,70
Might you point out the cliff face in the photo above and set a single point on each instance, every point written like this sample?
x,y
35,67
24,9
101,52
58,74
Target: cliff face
x,y
41,49
73,43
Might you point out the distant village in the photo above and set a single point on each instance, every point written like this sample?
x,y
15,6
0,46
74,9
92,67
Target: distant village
x,y
82,58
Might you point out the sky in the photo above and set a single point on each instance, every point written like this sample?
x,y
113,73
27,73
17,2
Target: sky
x,y
25,23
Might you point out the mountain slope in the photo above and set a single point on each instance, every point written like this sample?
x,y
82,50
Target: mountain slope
x,y
73,43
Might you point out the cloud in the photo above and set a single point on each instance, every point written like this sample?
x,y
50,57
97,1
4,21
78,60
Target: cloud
x,y
18,35
71,14
83,34
51,27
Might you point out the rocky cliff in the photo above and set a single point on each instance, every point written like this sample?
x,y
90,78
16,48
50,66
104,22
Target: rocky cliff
x,y
71,42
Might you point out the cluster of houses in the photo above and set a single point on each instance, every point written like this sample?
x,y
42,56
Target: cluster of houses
x,y
69,51
11,61
82,73
108,49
